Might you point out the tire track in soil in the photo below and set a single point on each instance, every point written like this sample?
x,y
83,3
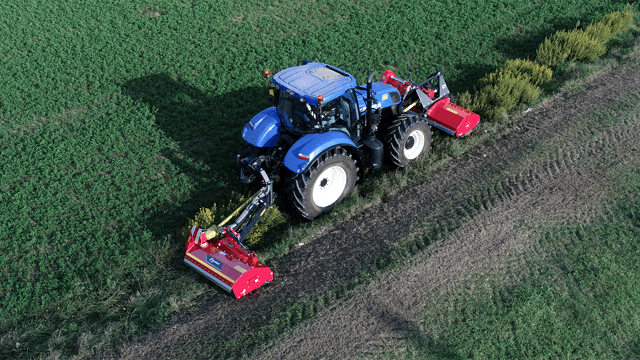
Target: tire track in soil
x,y
311,270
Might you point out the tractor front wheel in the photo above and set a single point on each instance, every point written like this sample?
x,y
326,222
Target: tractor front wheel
x,y
325,183
408,139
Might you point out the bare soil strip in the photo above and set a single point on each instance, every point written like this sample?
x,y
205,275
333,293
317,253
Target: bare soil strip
x,y
352,248
382,319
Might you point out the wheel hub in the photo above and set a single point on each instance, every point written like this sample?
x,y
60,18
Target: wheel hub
x,y
409,144
329,186
414,144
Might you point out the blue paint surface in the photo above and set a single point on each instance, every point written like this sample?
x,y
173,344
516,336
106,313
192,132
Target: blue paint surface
x,y
313,145
265,132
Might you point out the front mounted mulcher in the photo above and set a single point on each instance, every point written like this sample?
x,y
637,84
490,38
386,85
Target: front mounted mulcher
x,y
219,255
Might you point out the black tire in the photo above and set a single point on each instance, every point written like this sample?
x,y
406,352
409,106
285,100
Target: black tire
x,y
325,183
408,139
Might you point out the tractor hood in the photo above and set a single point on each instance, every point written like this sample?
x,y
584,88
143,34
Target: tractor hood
x,y
313,79
263,129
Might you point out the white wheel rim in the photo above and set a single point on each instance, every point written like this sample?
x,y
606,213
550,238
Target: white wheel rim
x,y
418,144
329,186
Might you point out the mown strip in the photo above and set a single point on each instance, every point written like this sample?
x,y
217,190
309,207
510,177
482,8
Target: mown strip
x,y
580,304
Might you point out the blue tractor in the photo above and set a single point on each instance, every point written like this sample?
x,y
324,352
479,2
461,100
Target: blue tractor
x,y
322,135
325,132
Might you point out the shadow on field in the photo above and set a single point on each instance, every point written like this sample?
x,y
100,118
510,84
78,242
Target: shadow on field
x,y
469,82
207,131
422,343
522,45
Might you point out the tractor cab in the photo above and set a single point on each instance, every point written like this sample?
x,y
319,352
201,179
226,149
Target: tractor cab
x,y
315,98
300,117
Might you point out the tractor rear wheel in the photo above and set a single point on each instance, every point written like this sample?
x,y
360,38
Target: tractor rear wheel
x,y
326,182
408,138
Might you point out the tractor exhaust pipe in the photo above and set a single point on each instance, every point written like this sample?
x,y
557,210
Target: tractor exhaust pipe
x,y
373,145
369,116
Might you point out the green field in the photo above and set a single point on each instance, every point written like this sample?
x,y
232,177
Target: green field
x,y
118,121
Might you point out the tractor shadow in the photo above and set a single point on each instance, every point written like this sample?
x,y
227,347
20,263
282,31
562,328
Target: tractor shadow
x,y
206,134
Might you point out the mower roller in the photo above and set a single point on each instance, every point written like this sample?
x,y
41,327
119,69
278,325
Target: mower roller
x,y
322,135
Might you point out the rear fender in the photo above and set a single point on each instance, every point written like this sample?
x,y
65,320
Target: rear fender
x,y
308,147
262,129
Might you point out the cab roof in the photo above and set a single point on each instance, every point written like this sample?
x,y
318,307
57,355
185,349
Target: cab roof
x,y
313,79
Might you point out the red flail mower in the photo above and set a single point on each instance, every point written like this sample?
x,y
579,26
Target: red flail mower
x,y
226,262
218,254
441,114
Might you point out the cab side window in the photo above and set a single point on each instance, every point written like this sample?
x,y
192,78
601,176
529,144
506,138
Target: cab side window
x,y
341,113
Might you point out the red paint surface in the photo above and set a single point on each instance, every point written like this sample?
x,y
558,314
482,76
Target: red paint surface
x,y
240,268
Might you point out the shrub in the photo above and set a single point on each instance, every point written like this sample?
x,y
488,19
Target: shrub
x,y
504,90
610,25
551,52
213,216
516,82
599,31
587,44
468,101
571,45
581,45
539,74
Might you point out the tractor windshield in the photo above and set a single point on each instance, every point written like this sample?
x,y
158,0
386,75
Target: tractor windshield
x,y
295,113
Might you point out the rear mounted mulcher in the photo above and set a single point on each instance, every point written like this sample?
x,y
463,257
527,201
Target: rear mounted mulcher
x,y
441,113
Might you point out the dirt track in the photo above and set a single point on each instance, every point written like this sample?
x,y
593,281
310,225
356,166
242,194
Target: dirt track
x,y
562,187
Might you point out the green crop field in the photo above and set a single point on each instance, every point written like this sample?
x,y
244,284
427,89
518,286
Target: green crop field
x,y
119,120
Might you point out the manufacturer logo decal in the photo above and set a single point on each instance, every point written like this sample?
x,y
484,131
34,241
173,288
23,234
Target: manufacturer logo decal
x,y
213,262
